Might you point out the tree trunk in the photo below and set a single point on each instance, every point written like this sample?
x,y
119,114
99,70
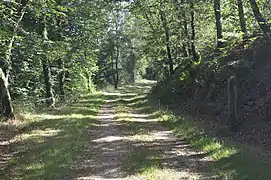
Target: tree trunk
x,y
116,79
185,32
89,83
167,38
49,95
265,27
193,32
7,109
184,50
61,79
232,104
5,68
218,23
87,74
131,68
171,70
132,77
242,19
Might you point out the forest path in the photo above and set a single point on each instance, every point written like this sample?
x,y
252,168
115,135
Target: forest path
x,y
109,135
129,144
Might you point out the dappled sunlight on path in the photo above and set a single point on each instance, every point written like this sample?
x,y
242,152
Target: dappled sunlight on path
x,y
128,144
111,135
106,149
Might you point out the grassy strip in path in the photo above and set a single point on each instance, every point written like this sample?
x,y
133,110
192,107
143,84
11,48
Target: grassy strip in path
x,y
143,159
48,145
148,157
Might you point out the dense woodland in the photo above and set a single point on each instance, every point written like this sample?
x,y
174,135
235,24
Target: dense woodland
x,y
135,89
52,50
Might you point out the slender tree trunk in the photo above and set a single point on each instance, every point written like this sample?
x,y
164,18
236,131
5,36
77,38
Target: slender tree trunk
x,y
49,95
132,77
113,69
185,32
5,96
242,19
132,65
218,23
265,27
7,108
193,31
116,68
170,61
232,104
61,79
184,50
167,37
117,44
87,74
89,82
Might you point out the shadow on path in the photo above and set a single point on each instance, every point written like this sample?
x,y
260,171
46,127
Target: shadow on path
x,y
126,144
122,140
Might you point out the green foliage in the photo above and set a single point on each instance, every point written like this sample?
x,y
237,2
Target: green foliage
x,y
97,40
